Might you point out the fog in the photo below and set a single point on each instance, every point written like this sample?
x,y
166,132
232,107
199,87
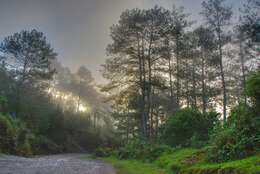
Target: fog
x,y
79,29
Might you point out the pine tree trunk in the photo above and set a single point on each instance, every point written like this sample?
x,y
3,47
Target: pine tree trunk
x,y
177,74
222,78
242,60
142,87
204,100
144,95
194,84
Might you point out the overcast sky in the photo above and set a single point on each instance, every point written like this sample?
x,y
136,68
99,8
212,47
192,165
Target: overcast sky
x,y
79,29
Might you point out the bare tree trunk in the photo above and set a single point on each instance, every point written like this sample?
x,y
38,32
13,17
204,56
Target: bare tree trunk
x,y
204,100
186,84
222,77
170,71
94,119
20,86
127,126
142,86
152,117
78,103
156,123
149,88
242,60
177,74
194,95
170,75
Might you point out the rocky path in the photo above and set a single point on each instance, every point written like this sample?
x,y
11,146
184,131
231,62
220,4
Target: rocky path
x,y
54,164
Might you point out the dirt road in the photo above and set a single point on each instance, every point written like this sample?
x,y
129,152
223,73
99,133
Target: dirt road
x,y
54,164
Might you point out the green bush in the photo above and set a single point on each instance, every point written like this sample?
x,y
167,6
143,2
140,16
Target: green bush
x,y
188,127
104,152
3,102
23,140
15,138
43,145
253,89
177,158
7,134
141,150
239,137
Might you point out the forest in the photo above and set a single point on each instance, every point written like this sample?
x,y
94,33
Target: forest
x,y
180,97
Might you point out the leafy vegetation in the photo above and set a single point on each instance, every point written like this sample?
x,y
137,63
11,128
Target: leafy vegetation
x,y
248,166
185,161
239,138
232,147
134,167
157,113
188,127
35,118
15,137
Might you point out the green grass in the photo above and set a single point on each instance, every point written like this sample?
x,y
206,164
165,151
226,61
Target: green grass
x,y
250,165
134,167
186,161
193,161
176,159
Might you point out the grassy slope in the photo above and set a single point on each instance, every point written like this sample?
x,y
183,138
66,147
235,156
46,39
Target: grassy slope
x,y
174,160
186,161
249,165
192,161
134,167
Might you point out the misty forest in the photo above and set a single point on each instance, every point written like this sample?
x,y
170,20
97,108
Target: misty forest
x,y
179,97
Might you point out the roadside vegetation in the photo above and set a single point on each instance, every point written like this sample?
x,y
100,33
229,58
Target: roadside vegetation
x,y
181,102
180,98
185,161
197,146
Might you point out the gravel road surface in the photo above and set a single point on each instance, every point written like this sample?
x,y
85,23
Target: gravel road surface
x,y
54,164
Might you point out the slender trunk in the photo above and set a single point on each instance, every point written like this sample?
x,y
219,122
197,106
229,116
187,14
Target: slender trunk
x,y
242,60
204,104
222,77
142,87
127,126
152,117
170,75
149,88
170,72
177,73
156,123
94,119
194,100
20,87
187,91
78,103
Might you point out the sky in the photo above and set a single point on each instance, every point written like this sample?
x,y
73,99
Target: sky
x,y
78,30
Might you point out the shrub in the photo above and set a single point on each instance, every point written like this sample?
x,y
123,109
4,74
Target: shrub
x,y
141,150
43,145
253,89
104,152
23,139
15,138
3,102
239,137
7,134
188,127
